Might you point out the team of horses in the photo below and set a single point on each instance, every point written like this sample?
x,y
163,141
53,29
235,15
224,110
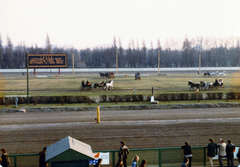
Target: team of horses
x,y
107,85
206,85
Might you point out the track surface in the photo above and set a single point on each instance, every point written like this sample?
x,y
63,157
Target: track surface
x,y
29,132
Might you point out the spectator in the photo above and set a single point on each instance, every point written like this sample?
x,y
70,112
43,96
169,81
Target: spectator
x,y
42,156
5,159
123,152
98,163
188,152
143,164
230,148
135,161
211,151
238,154
221,152
0,161
119,164
185,162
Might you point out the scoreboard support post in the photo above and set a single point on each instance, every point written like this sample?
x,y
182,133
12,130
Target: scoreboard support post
x,y
27,79
34,70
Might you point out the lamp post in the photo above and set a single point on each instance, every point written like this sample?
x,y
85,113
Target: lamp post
x,y
158,62
199,63
116,62
73,61
27,79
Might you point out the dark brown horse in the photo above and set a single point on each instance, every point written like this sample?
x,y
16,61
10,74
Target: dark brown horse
x,y
192,85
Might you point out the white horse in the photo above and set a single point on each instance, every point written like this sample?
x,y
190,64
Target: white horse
x,y
224,73
109,85
215,73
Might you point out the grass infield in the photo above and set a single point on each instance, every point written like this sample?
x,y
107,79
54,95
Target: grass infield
x,y
68,85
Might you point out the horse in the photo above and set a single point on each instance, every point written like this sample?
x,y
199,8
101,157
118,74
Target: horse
x,y
109,85
101,84
106,74
206,85
223,74
192,85
215,73
218,83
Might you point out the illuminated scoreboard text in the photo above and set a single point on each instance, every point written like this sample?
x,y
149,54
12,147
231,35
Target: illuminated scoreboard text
x,y
47,60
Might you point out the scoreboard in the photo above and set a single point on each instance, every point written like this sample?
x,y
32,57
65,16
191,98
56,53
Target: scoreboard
x,y
47,60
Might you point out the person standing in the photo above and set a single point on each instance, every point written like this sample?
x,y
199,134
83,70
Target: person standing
x,y
119,163
0,161
211,151
143,164
135,161
188,152
221,151
238,155
5,159
98,163
42,156
230,148
123,152
185,162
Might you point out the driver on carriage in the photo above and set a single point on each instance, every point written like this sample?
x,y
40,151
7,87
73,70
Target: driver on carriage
x,y
87,83
83,84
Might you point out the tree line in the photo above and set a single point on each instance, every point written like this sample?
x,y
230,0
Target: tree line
x,y
214,52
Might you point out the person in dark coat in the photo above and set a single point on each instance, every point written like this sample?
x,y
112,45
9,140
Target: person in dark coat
x,y
119,163
230,148
238,155
188,152
42,156
143,163
211,150
0,161
5,159
98,163
185,162
123,152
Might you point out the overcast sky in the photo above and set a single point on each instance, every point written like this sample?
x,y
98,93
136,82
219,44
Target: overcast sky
x,y
89,23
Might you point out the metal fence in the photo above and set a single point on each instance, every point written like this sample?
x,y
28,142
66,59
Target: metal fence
x,y
156,157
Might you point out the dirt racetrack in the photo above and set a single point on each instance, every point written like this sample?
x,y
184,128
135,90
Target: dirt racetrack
x,y
30,132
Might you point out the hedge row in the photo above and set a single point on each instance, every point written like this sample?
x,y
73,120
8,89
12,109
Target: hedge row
x,y
122,98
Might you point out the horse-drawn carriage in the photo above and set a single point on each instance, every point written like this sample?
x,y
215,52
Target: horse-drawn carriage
x,y
206,85
206,74
107,75
86,86
137,76
101,85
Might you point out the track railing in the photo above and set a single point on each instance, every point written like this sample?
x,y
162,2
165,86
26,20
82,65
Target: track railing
x,y
156,157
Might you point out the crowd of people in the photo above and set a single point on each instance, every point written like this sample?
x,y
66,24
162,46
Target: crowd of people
x,y
221,149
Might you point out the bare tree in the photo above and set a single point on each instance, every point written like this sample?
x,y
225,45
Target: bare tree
x,y
1,52
48,45
9,53
186,52
144,53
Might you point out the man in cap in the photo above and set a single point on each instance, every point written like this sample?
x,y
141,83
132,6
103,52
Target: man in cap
x,y
221,151
123,152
